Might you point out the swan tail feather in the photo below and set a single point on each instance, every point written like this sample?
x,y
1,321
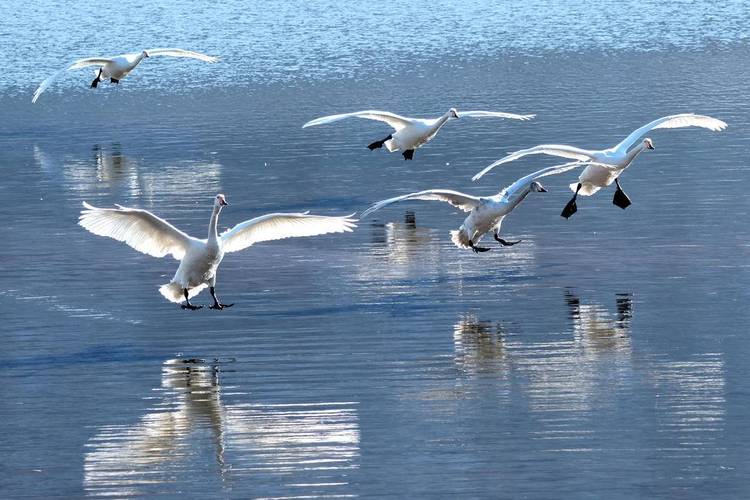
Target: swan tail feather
x,y
391,146
460,239
173,292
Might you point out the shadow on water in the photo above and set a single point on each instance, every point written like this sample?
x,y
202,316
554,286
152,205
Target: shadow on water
x,y
193,424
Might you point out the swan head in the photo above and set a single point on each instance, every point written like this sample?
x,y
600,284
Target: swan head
x,y
220,201
537,187
453,113
648,143
145,53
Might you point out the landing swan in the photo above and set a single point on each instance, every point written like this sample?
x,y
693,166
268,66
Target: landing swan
x,y
486,213
410,133
595,177
118,67
199,259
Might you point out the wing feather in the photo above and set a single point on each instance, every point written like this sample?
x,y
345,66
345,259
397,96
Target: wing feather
x,y
463,201
81,63
172,52
140,229
557,169
673,121
561,150
493,114
396,121
279,226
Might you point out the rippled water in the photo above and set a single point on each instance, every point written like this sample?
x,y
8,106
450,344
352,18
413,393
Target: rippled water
x,y
603,357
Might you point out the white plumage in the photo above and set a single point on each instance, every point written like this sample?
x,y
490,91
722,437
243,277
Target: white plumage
x,y
486,213
410,133
596,176
118,67
200,258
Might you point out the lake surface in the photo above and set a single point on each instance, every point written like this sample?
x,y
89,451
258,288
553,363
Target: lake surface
x,y
603,357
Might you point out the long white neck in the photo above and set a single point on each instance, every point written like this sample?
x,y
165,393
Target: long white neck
x,y
441,121
138,59
213,235
632,154
517,198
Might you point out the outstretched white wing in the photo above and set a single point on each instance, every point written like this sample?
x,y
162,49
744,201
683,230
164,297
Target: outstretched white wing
x,y
493,114
557,169
392,119
138,228
562,150
463,201
81,63
279,226
673,121
181,53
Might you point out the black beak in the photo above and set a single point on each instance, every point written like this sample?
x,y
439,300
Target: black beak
x,y
542,189
650,147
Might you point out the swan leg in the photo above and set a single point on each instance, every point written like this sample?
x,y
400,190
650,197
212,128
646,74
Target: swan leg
x,y
504,242
571,207
621,199
478,249
187,304
379,144
114,80
217,305
408,154
97,79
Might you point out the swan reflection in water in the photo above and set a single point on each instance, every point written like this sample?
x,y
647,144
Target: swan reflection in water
x,y
108,166
190,422
594,327
479,345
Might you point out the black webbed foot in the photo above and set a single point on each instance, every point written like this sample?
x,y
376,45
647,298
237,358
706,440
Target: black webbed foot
x,y
477,249
506,243
95,83
191,307
569,209
408,154
114,80
378,144
621,199
219,307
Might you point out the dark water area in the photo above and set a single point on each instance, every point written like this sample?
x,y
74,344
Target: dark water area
x,y
604,356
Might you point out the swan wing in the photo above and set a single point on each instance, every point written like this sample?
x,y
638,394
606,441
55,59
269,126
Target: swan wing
x,y
524,181
182,53
561,150
279,226
673,121
392,119
463,201
81,63
493,114
140,229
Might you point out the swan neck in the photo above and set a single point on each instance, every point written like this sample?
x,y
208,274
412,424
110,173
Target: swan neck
x,y
441,121
517,198
633,153
213,223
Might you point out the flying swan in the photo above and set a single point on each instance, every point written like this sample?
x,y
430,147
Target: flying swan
x,y
199,259
410,133
118,67
594,177
486,213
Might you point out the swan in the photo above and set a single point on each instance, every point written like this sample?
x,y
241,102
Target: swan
x,y
199,259
410,133
595,177
486,213
118,67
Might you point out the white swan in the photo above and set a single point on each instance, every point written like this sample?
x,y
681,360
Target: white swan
x,y
595,177
410,133
118,67
486,213
199,259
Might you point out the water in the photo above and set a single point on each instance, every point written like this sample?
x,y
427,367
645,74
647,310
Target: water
x,y
603,356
